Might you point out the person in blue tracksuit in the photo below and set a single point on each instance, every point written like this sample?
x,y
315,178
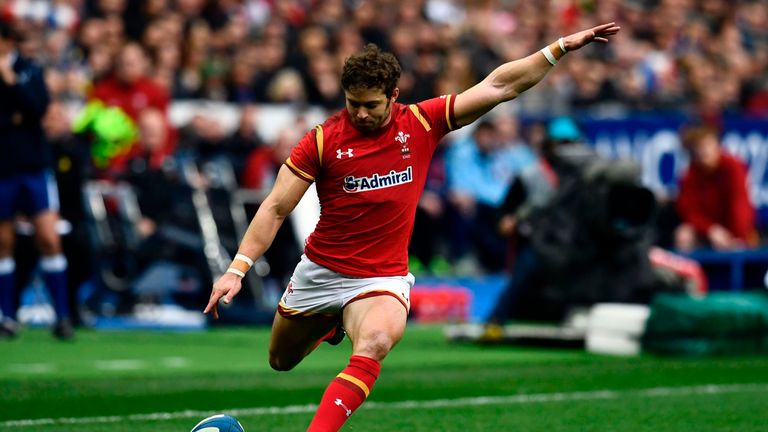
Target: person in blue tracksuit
x,y
27,185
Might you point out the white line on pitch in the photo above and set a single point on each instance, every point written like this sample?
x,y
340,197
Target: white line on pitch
x,y
31,368
113,365
175,362
135,364
125,364
709,389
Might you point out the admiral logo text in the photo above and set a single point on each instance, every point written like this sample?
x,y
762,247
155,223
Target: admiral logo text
x,y
354,184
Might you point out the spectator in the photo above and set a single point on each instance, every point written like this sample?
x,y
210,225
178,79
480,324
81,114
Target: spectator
x,y
145,171
129,86
580,227
164,259
430,242
323,86
531,191
25,180
533,187
264,162
240,85
713,204
130,89
204,137
480,170
244,140
73,168
287,87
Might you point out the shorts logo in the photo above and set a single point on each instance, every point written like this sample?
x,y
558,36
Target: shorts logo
x,y
354,184
288,291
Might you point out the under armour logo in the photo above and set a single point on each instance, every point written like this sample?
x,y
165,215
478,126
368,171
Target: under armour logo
x,y
338,402
402,137
340,153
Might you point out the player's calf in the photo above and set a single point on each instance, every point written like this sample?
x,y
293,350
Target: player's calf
x,y
283,362
345,394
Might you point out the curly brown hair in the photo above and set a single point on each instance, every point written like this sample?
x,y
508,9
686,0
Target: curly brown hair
x,y
371,68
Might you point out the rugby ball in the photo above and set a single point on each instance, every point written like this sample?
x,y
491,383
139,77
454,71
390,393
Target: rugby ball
x,y
218,423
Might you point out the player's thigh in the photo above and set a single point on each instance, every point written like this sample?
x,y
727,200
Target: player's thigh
x,y
292,337
375,325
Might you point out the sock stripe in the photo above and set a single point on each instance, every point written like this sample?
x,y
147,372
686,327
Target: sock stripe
x,y
363,386
7,266
351,387
53,263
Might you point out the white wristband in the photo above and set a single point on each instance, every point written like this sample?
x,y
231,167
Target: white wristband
x,y
548,54
245,259
235,271
562,45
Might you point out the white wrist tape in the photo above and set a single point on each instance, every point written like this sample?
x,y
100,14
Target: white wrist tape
x,y
245,259
562,45
548,54
235,271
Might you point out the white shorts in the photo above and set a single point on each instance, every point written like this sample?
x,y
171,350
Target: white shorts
x,y
316,290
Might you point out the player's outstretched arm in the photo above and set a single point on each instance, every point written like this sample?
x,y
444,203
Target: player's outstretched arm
x,y
280,202
510,79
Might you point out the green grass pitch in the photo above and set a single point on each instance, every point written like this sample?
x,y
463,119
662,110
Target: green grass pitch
x,y
152,381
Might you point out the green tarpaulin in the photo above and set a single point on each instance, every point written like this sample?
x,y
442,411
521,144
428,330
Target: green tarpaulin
x,y
716,324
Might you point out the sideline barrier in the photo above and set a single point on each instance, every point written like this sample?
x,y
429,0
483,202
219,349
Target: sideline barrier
x,y
743,269
442,303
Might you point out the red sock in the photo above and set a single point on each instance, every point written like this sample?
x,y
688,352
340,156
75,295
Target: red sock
x,y
345,394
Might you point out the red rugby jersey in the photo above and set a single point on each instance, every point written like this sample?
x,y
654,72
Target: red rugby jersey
x,y
369,185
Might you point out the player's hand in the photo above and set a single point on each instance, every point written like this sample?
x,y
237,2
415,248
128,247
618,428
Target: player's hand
x,y
595,34
226,287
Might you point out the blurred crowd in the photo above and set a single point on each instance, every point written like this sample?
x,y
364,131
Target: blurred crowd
x,y
708,56
122,63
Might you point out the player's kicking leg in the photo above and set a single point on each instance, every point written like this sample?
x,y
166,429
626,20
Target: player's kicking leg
x,y
375,325
294,338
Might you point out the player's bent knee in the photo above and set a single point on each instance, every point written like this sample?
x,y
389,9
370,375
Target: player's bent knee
x,y
282,364
375,345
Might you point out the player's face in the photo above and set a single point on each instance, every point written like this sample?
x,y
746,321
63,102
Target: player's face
x,y
369,109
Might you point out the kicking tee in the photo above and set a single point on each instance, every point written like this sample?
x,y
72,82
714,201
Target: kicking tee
x,y
369,185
